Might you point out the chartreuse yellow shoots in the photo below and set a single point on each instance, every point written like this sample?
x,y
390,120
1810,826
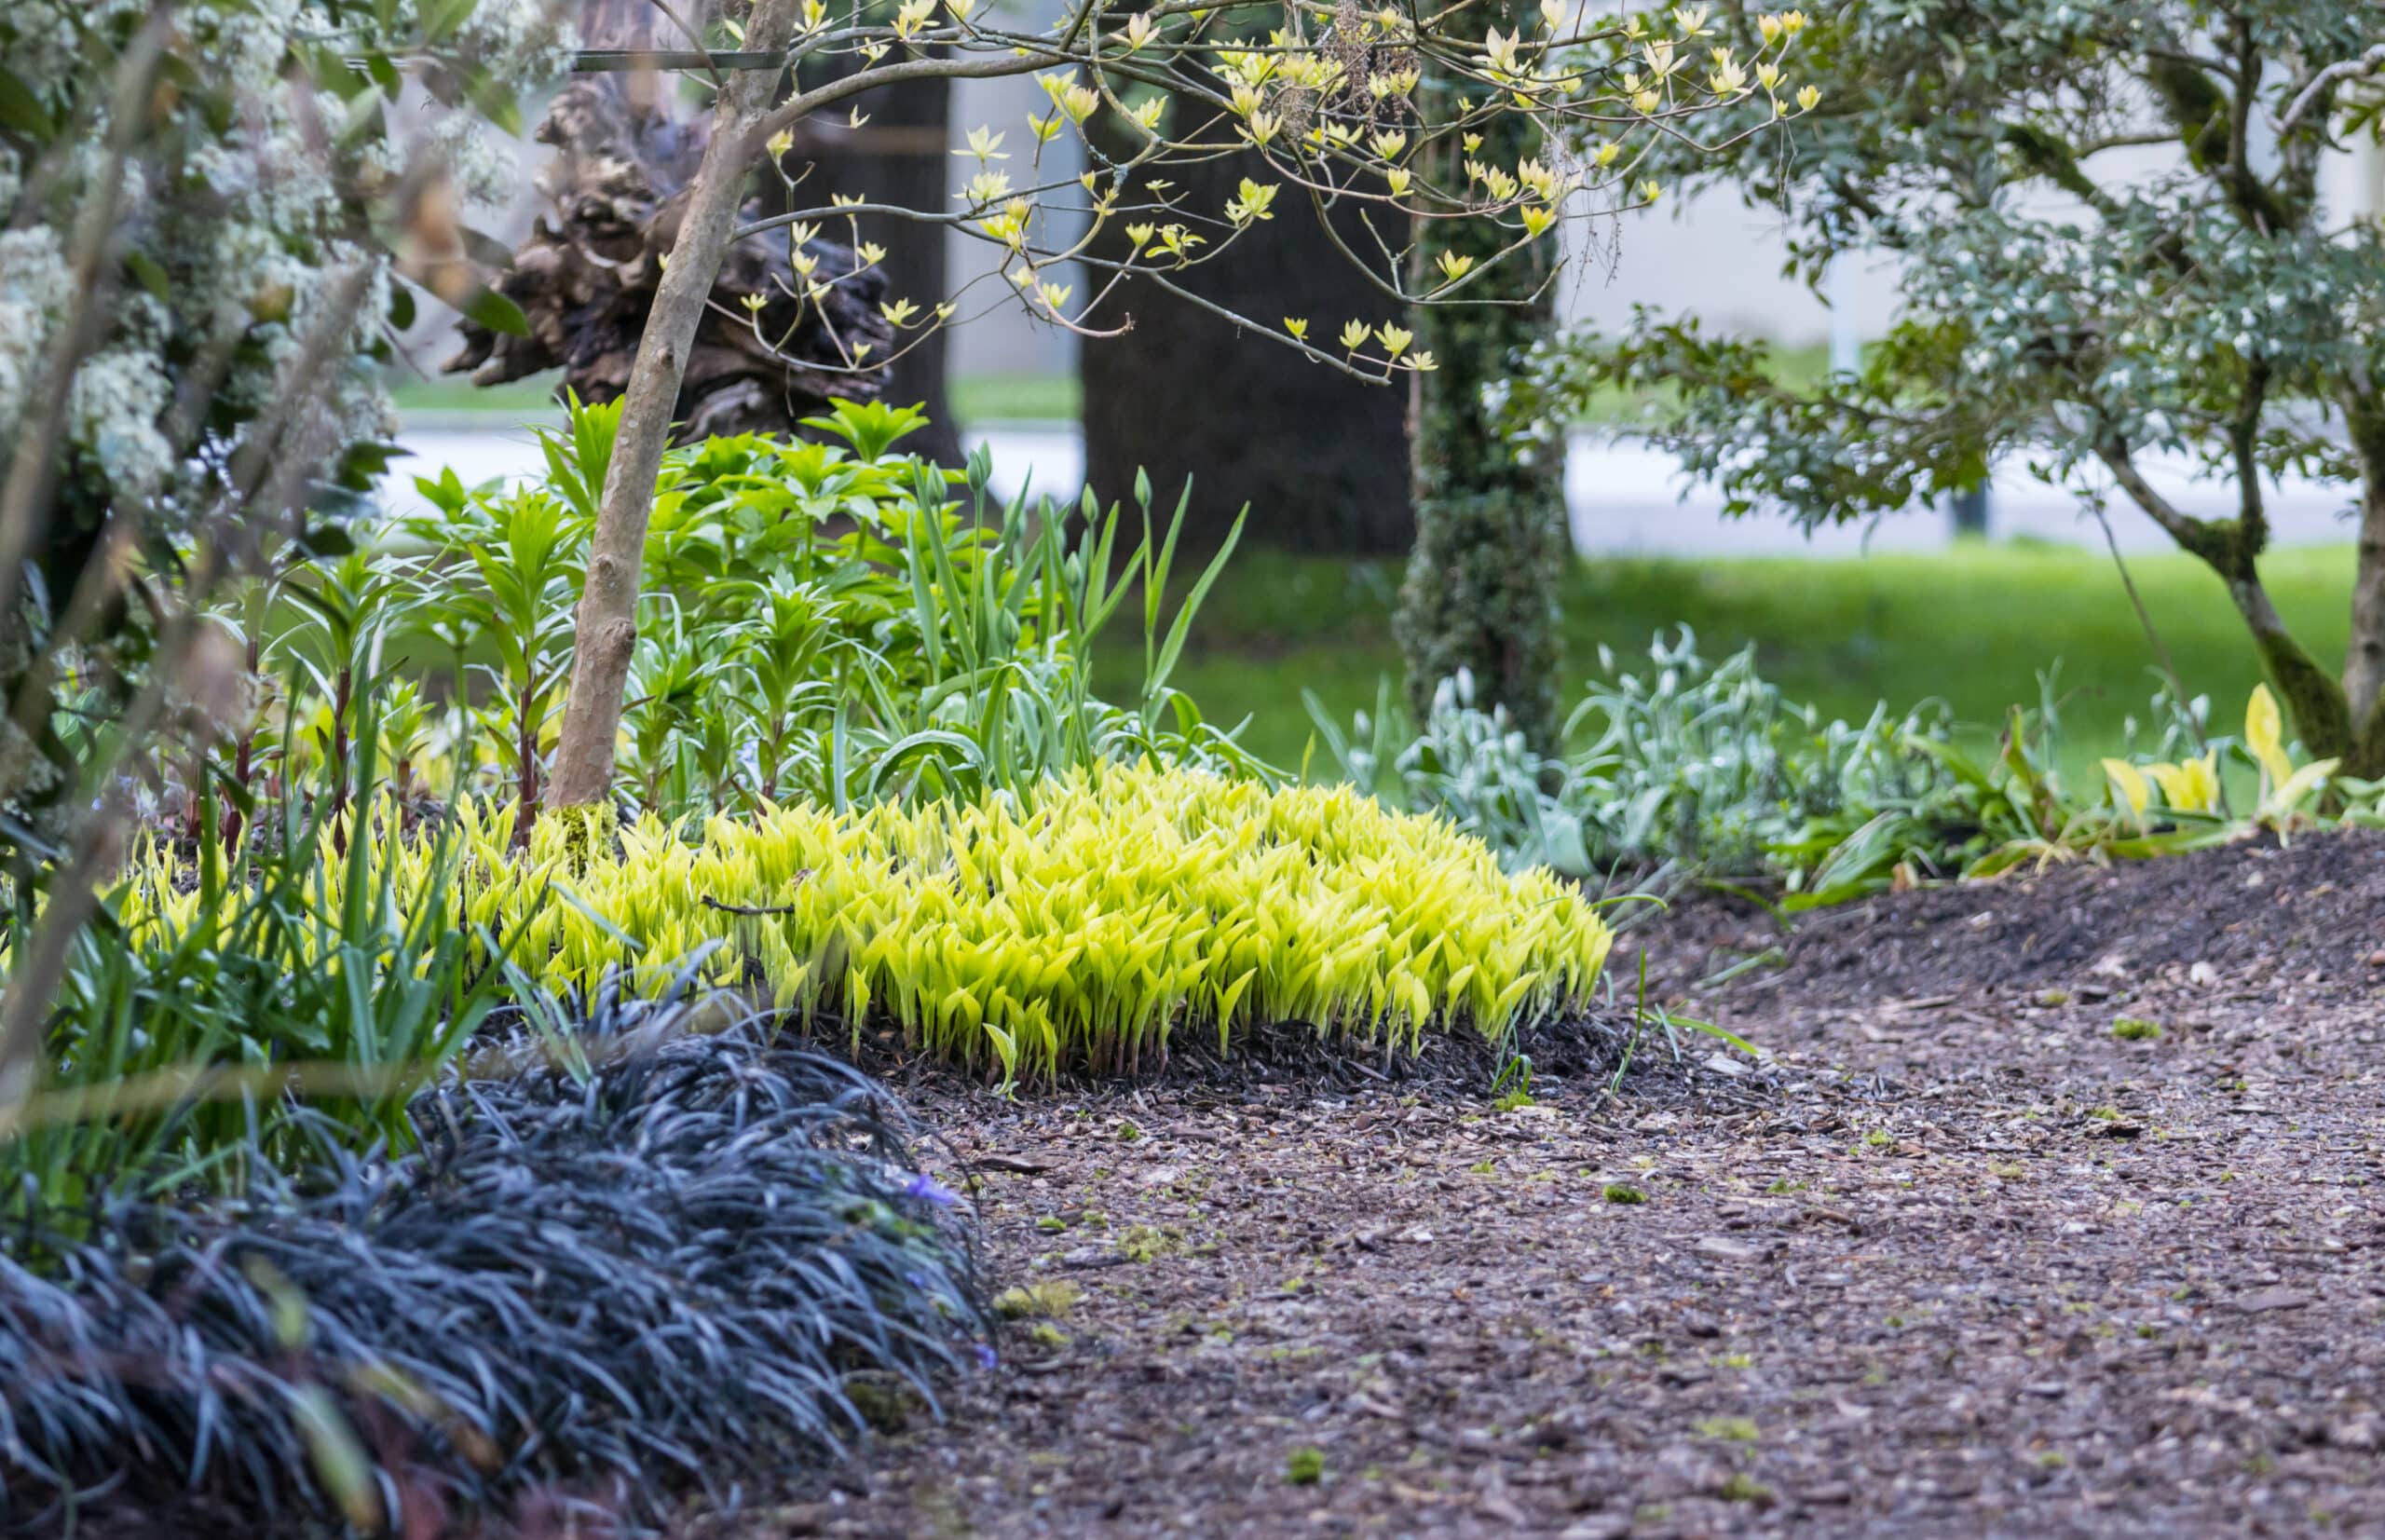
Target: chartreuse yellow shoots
x,y
2192,786
1077,925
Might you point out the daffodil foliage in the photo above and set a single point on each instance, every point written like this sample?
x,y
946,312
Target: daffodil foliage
x,y
1079,924
2124,233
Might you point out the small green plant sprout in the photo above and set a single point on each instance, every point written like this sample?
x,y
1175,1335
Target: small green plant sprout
x,y
1739,1487
1050,1301
1735,1430
2135,1029
1304,1466
1144,1243
1514,1085
1623,1192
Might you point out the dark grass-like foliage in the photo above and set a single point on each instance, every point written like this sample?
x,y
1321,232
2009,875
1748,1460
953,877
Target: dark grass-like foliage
x,y
663,1278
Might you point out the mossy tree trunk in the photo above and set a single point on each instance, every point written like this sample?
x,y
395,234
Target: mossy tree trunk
x,y
1491,540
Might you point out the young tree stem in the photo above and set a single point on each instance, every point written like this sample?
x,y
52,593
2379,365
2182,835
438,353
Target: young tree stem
x,y
606,623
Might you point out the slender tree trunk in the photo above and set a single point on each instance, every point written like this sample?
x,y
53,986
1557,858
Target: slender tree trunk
x,y
1492,539
606,626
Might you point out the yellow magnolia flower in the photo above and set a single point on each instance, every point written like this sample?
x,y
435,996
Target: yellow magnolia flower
x,y
1297,326
1354,336
1254,203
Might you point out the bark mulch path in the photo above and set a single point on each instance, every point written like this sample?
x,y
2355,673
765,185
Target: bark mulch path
x,y
1960,1261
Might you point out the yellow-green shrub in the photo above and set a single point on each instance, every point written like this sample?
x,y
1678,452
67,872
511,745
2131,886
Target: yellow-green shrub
x,y
1078,924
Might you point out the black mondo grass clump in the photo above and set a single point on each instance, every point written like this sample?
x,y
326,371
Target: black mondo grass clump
x,y
712,1258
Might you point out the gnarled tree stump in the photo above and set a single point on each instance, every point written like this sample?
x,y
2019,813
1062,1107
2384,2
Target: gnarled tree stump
x,y
586,281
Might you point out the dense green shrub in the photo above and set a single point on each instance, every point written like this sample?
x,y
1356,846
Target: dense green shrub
x,y
828,620
201,211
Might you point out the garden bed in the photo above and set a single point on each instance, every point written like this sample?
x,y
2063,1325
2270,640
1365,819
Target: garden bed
x,y
1970,1261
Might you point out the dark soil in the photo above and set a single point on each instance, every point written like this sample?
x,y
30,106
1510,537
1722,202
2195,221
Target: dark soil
x,y
1960,1259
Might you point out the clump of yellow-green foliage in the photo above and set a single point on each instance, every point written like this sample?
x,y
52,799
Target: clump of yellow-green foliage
x,y
1077,924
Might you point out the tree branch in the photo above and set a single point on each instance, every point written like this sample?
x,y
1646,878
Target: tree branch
x,y
2199,536
2325,81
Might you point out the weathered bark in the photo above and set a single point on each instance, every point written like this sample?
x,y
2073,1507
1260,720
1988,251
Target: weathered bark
x,y
2365,662
606,619
588,279
1320,458
2314,701
1491,537
2365,656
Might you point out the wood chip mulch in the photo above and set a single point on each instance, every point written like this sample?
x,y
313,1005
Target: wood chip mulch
x,y
1958,1259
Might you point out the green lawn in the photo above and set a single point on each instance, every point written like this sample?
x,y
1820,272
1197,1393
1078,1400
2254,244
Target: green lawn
x,y
1972,626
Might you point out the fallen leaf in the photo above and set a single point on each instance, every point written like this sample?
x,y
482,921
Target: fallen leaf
x,y
2271,1299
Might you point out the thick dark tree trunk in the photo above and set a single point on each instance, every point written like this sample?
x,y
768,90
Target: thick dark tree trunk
x,y
1491,537
901,157
1320,458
